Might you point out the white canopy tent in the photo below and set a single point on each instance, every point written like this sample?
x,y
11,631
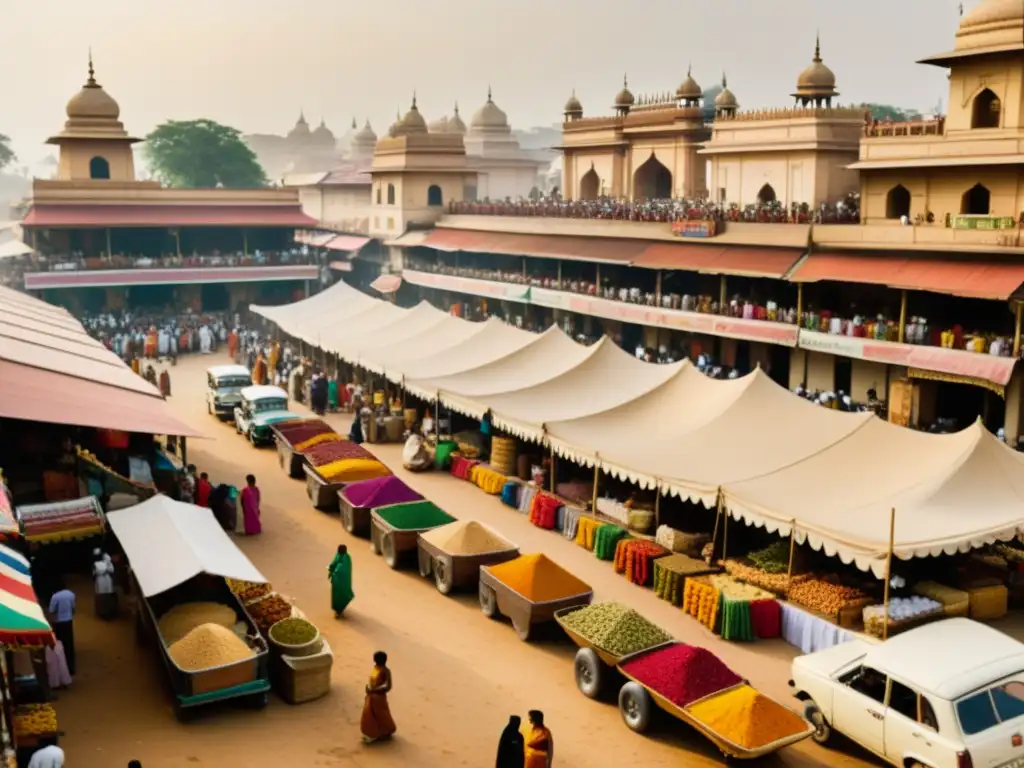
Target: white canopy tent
x,y
392,360
951,493
14,248
359,343
168,542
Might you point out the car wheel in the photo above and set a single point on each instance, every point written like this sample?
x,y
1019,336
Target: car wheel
x,y
822,730
635,705
589,673
252,437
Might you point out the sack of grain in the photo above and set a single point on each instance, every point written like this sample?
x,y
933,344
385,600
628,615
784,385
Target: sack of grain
x,y
209,646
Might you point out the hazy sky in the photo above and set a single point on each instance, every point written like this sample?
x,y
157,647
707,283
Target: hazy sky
x,y
254,63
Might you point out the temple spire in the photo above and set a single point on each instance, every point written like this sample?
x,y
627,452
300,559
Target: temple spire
x,y
489,98
817,48
92,72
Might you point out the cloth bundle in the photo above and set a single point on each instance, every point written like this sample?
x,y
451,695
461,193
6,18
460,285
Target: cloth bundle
x,y
634,558
766,618
510,494
487,480
606,540
462,467
544,511
701,601
526,496
585,530
571,521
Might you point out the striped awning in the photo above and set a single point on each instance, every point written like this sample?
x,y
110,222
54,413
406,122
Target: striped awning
x,y
22,621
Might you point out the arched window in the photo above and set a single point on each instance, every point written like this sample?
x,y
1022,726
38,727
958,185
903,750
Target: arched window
x,y
897,202
976,200
99,168
378,196
986,111
766,194
589,185
391,194
434,195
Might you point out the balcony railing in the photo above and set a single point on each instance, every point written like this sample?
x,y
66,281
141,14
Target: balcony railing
x,y
879,128
69,263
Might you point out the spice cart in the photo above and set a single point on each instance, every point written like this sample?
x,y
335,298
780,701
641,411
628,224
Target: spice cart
x,y
395,529
453,553
333,464
292,437
694,686
529,590
357,500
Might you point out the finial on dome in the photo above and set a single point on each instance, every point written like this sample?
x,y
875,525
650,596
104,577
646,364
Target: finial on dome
x,y
725,82
456,107
689,69
489,99
817,48
354,121
414,100
92,72
625,81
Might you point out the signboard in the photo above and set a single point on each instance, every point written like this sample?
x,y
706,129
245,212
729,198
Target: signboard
x,y
957,362
901,402
697,228
471,285
975,221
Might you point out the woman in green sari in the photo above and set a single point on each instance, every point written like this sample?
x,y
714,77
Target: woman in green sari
x,y
340,574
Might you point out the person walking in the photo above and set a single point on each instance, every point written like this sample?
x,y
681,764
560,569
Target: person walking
x,y
62,611
511,746
376,722
251,507
203,490
540,748
340,574
50,756
103,583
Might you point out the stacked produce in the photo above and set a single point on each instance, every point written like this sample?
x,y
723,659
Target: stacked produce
x,y
607,539
634,558
466,537
681,673
544,511
538,579
902,611
413,516
672,571
503,455
701,601
773,558
586,529
487,479
247,591
343,461
774,582
747,718
34,720
825,597
1010,554
208,646
735,590
298,431
184,617
680,541
615,628
293,631
741,612
955,602
269,610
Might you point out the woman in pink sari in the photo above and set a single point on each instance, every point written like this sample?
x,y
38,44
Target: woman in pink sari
x,y
251,507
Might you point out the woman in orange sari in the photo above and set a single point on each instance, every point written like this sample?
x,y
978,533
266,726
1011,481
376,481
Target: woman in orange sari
x,y
376,722
259,370
540,749
233,344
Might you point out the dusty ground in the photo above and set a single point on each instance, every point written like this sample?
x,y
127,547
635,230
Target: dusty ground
x,y
457,674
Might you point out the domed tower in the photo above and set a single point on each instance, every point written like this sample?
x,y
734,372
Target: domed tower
x,y
94,143
412,123
689,93
725,102
323,137
438,126
489,118
455,124
363,143
573,108
300,133
816,86
624,100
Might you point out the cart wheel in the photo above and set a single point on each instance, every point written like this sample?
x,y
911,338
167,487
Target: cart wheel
x,y
347,519
374,546
184,714
488,601
589,673
522,629
822,730
387,547
635,706
442,576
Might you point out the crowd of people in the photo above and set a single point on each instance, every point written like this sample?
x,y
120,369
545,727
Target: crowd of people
x,y
258,258
845,211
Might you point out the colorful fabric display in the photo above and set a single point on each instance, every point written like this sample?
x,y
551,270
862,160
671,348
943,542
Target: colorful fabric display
x,y
606,540
510,494
766,618
585,530
634,559
544,511
462,467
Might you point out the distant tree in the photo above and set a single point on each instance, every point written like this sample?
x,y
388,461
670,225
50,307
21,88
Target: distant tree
x,y
7,155
889,112
202,153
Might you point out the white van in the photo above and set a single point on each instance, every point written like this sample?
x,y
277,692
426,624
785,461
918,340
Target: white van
x,y
224,385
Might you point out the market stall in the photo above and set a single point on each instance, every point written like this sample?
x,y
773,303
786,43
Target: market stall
x,y
62,520
291,438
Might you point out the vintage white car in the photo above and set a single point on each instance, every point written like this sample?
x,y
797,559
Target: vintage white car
x,y
260,407
946,695
224,385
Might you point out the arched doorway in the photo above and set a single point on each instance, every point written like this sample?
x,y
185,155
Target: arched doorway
x,y
99,168
589,185
976,201
652,181
986,110
897,202
766,194
434,195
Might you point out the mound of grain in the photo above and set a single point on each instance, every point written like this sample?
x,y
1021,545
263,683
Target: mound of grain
x,y
466,537
182,619
208,646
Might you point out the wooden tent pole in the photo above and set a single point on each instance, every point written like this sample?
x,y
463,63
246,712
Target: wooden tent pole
x,y
657,506
597,477
718,519
792,552
888,571
553,459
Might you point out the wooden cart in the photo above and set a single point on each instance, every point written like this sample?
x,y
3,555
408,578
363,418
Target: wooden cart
x,y
452,571
393,542
291,461
636,702
355,520
323,494
496,598
593,663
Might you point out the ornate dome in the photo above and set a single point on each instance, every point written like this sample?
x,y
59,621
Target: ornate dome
x,y
438,126
816,79
455,124
625,97
992,23
573,106
92,102
726,99
489,116
301,129
365,135
689,89
413,121
323,133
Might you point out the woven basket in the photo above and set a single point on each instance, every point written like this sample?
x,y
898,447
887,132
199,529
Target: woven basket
x,y
641,520
988,601
311,648
503,455
305,678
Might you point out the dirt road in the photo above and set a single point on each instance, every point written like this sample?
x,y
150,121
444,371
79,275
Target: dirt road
x,y
457,675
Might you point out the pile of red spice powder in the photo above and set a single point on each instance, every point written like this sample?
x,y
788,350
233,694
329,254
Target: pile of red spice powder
x,y
682,673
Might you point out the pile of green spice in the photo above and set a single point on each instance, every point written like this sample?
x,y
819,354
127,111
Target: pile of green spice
x,y
413,515
615,628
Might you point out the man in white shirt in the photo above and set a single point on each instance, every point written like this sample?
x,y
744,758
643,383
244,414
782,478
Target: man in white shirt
x,y
62,614
47,757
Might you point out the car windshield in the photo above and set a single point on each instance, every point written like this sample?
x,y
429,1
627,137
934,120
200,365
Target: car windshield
x,y
270,404
233,382
986,709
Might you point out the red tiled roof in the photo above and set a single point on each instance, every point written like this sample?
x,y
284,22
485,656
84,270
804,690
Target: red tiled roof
x,y
542,246
346,243
42,215
972,277
720,260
